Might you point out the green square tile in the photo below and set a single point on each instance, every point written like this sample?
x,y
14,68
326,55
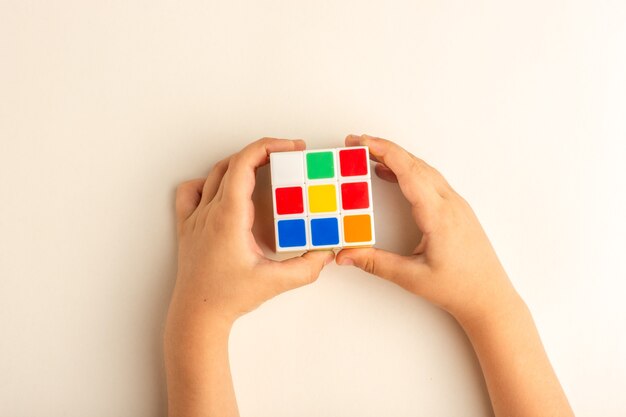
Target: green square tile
x,y
320,165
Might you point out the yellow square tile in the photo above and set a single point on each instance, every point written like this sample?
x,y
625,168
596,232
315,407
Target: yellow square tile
x,y
322,198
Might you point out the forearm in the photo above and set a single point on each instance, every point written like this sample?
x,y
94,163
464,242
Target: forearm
x,y
199,382
519,376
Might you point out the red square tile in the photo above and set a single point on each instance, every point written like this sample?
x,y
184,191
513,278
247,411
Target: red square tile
x,y
353,162
289,200
355,195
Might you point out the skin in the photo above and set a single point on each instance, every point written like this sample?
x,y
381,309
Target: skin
x,y
454,266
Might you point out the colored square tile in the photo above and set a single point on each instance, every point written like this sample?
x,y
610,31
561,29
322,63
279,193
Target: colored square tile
x,y
289,200
291,233
355,195
357,228
353,162
320,165
322,198
325,231
287,168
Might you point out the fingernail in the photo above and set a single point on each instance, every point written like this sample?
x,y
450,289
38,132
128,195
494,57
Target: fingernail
x,y
346,261
373,144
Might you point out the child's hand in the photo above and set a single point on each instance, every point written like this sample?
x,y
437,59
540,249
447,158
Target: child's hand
x,y
223,274
454,265
221,269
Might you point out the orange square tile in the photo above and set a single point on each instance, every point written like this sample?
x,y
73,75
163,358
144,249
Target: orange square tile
x,y
357,228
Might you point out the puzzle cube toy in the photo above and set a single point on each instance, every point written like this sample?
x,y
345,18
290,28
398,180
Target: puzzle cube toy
x,y
322,199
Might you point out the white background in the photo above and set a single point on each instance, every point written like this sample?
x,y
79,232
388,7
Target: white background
x,y
106,105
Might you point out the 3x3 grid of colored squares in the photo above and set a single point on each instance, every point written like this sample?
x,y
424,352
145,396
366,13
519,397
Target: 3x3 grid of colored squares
x,y
322,199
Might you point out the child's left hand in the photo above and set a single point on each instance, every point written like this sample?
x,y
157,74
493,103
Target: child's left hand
x,y
222,272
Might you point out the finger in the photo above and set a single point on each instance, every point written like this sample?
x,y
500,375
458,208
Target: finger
x,y
240,178
353,140
404,164
385,173
415,178
301,270
420,167
188,195
403,270
214,180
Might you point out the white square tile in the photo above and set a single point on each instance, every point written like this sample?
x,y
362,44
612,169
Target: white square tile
x,y
287,168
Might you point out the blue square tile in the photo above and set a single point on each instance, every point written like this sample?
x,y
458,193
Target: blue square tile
x,y
324,231
291,233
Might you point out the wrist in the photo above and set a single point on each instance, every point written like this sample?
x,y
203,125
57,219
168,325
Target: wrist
x,y
192,301
501,307
189,322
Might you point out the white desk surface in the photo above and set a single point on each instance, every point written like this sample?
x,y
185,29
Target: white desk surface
x,y
106,106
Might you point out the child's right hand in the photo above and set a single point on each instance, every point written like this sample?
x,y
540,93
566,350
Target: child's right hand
x,y
454,265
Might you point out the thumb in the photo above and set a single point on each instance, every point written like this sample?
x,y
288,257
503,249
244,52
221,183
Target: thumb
x,y
402,270
301,270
